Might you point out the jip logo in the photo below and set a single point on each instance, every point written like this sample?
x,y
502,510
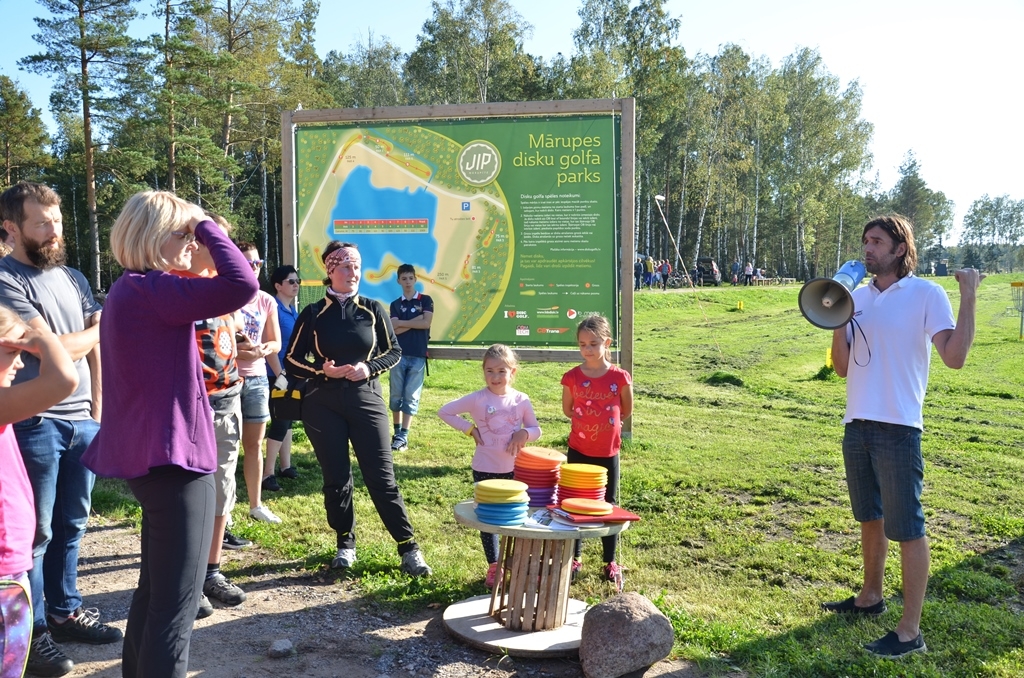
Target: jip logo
x,y
479,163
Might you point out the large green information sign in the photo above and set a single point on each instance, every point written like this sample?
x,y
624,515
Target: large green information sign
x,y
511,224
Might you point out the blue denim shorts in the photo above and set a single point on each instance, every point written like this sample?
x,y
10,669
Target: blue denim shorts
x,y
407,384
255,400
885,476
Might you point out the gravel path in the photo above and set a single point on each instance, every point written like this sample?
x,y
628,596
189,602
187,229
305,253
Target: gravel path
x,y
334,631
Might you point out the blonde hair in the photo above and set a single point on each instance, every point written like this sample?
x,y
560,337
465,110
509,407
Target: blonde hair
x,y
9,320
504,354
598,325
144,225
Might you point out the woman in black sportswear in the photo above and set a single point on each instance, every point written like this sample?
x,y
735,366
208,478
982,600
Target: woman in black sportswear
x,y
343,343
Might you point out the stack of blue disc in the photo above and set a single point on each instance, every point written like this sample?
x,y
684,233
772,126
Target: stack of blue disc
x,y
505,515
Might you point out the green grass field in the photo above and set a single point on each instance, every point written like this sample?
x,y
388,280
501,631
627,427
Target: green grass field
x,y
735,466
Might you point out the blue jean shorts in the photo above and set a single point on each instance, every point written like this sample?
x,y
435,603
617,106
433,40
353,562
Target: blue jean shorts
x,y
255,400
407,384
885,476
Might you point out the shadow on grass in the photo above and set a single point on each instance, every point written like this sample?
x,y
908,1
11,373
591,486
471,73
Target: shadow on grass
x,y
972,624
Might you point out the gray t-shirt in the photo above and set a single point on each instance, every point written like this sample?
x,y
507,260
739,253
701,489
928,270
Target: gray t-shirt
x,y
62,297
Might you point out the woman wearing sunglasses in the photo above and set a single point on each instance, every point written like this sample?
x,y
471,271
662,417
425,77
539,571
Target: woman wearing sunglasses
x,y
262,337
286,282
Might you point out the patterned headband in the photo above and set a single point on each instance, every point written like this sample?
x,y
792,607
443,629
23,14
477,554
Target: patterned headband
x,y
342,255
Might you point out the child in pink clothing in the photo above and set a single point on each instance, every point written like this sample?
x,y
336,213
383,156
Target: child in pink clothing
x,y
502,423
57,379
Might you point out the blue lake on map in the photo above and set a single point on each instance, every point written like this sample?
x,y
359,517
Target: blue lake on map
x,y
359,199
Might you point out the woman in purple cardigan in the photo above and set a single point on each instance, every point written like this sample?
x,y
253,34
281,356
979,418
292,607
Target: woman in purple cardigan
x,y
157,430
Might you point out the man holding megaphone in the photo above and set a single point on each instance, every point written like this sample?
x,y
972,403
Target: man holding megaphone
x,y
884,354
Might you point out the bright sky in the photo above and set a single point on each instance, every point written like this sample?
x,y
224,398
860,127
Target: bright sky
x,y
939,76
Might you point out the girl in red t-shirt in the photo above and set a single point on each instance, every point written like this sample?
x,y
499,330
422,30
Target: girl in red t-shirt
x,y
597,396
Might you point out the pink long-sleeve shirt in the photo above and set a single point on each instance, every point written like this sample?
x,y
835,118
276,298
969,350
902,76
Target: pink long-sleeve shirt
x,y
496,417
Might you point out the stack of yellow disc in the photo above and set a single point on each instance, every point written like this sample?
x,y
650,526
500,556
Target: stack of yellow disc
x,y
586,481
501,502
587,507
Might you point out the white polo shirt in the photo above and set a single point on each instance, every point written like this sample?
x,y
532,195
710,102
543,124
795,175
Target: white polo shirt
x,y
888,372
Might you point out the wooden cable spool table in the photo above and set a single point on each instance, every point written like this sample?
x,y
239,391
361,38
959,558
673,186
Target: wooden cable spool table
x,y
529,613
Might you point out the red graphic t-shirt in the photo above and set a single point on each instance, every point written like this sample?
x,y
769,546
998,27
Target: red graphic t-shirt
x,y
596,411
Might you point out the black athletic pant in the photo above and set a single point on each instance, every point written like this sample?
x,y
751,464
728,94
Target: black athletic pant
x,y
177,526
489,540
611,494
335,413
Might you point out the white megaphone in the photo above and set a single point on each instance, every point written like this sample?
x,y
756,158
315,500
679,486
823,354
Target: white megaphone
x,y
828,302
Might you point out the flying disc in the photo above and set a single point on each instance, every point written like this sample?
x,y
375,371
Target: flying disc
x,y
501,485
587,507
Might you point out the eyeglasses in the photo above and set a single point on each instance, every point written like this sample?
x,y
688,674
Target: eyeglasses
x,y
255,263
293,281
187,236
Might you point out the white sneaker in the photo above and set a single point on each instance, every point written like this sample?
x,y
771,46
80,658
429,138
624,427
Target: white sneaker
x,y
264,514
345,558
414,565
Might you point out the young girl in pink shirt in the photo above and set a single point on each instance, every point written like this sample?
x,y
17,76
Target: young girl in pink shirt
x,y
502,422
57,380
597,396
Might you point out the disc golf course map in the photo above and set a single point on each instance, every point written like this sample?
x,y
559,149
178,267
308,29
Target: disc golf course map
x,y
492,216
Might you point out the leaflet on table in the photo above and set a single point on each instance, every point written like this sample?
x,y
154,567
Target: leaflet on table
x,y
545,519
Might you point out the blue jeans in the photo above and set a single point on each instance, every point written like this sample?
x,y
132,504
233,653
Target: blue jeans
x,y
885,476
52,450
407,384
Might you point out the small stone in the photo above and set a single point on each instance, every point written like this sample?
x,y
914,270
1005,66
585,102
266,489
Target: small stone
x,y
281,648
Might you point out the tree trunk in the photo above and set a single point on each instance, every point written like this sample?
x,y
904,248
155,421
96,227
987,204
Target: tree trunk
x,y
90,169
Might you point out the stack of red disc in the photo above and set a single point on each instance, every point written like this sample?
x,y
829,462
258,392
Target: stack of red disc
x,y
538,467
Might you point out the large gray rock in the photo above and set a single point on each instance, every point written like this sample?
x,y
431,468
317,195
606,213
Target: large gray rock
x,y
624,634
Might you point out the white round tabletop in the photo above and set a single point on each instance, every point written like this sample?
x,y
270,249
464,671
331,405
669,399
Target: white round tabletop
x,y
466,515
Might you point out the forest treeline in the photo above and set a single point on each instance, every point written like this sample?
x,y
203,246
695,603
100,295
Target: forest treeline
x,y
759,162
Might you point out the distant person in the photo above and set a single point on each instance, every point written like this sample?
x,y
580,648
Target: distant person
x,y
899,317
638,274
666,270
286,282
158,430
6,243
261,337
411,315
57,379
46,294
596,397
501,422
735,270
343,343
215,340
748,274
649,271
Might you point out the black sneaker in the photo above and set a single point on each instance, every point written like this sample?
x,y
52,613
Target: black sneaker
x,y
233,542
270,484
890,646
290,472
849,606
219,588
399,443
205,607
45,658
84,627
